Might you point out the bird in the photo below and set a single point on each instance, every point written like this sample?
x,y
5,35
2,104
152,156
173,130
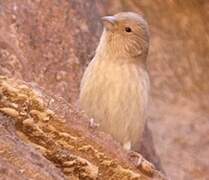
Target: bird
x,y
114,89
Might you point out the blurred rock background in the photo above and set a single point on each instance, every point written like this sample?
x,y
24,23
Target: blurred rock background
x,y
50,43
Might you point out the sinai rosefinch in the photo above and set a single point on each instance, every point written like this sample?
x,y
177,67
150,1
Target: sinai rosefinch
x,y
115,85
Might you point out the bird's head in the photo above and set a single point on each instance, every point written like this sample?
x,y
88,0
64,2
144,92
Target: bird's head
x,y
125,34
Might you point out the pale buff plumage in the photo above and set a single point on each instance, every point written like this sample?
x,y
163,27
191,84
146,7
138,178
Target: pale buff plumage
x,y
115,85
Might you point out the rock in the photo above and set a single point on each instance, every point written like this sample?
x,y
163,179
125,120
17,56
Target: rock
x,y
69,145
19,160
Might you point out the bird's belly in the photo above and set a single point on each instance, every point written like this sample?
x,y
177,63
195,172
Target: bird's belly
x,y
117,101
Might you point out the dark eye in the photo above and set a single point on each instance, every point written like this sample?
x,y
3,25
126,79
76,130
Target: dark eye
x,y
128,29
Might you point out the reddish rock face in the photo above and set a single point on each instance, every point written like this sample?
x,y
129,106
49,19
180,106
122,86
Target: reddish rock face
x,y
19,160
48,42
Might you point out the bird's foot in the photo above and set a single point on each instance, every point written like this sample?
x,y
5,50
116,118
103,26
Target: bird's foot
x,y
127,146
93,124
142,163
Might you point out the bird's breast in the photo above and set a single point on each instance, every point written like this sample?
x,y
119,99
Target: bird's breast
x,y
115,95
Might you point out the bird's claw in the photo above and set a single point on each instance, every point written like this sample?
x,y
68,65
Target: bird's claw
x,y
93,124
142,163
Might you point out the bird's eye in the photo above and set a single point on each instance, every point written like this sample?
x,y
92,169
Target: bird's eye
x,y
128,29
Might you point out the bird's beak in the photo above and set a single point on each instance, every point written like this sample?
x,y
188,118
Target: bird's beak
x,y
109,22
